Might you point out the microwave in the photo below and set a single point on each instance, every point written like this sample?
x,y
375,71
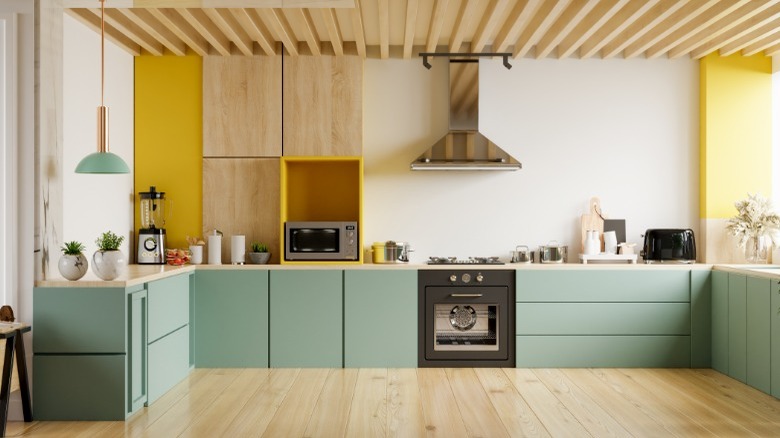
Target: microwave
x,y
321,241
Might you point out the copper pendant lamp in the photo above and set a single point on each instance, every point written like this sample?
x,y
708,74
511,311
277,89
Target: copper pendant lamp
x,y
102,161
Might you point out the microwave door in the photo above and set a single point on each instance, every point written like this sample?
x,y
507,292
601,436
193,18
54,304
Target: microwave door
x,y
309,240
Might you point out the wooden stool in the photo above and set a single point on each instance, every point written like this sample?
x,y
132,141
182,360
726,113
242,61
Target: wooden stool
x,y
12,333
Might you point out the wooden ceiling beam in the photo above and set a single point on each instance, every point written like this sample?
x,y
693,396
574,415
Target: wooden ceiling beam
x,y
736,33
568,20
143,19
540,23
179,27
437,21
589,25
201,23
384,28
309,31
466,15
251,23
487,26
89,19
131,30
228,25
334,32
751,38
761,45
409,27
357,29
281,28
614,32
710,16
516,21
773,50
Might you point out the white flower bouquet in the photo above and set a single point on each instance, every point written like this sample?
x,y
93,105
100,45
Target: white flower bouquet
x,y
756,218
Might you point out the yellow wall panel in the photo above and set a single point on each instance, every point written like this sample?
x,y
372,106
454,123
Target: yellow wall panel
x,y
736,107
169,141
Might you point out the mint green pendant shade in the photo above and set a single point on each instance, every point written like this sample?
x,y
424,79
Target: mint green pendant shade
x,y
102,162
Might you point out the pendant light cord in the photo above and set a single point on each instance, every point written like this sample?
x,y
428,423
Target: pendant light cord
x,y
102,49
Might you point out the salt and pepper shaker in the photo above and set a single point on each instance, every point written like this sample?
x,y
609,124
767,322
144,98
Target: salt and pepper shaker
x,y
592,242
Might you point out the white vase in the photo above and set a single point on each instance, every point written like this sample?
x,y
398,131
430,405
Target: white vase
x,y
108,265
73,267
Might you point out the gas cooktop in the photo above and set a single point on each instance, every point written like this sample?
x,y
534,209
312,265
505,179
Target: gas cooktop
x,y
468,261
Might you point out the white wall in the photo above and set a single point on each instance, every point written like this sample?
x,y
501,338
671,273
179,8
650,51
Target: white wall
x,y
623,130
95,203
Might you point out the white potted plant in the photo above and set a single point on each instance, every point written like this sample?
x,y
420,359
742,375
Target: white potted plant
x,y
757,226
259,254
73,264
109,262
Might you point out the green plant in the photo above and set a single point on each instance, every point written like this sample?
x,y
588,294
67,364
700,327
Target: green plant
x,y
73,248
259,247
109,241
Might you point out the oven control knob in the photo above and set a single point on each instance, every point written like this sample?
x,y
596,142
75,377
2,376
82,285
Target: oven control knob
x,y
453,278
466,278
480,278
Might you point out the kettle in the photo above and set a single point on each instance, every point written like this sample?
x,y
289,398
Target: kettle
x,y
522,254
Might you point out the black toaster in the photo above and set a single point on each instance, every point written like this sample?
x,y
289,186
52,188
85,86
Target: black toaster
x,y
669,245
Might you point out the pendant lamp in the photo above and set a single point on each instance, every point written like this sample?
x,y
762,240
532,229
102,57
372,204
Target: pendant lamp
x,y
102,161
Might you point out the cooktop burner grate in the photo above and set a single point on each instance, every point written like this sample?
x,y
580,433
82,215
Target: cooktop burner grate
x,y
468,261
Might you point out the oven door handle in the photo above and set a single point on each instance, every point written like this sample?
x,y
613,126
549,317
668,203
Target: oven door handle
x,y
465,295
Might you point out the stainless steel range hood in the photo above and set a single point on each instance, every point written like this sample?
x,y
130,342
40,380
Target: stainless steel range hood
x,y
464,147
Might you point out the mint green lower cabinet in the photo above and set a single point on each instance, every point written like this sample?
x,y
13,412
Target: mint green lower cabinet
x,y
231,319
603,351
774,310
603,319
136,342
738,327
720,321
758,344
306,318
79,387
169,305
672,285
169,362
380,319
701,318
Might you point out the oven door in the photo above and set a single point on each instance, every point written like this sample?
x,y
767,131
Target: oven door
x,y
467,323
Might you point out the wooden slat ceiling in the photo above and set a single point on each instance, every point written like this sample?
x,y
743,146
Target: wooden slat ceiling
x,y
403,28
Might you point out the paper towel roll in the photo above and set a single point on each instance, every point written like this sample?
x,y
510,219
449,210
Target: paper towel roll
x,y
215,249
237,249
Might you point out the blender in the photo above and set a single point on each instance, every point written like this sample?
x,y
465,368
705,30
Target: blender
x,y
151,235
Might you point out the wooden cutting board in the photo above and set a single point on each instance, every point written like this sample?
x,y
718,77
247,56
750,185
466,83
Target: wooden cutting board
x,y
592,220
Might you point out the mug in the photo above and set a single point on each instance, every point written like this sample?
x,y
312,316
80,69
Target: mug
x,y
610,242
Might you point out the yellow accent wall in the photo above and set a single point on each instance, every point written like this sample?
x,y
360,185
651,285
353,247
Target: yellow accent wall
x,y
169,141
735,131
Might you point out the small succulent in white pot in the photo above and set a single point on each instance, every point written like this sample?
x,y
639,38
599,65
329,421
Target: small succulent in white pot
x,y
109,262
259,254
73,264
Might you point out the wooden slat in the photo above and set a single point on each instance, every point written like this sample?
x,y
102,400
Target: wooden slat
x,y
434,28
442,417
207,30
331,413
479,416
357,29
760,45
540,23
179,27
516,21
293,414
334,32
751,38
255,416
772,50
143,19
613,32
281,28
254,27
368,415
568,20
306,24
657,14
135,33
462,23
226,23
89,19
404,410
492,18
737,33
600,15
384,28
410,24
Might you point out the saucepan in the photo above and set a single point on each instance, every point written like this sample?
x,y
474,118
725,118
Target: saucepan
x,y
522,254
553,252
390,252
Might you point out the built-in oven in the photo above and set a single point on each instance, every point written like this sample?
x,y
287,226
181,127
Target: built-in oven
x,y
466,318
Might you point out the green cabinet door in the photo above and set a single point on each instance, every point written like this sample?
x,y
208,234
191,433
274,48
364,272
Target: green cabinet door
x,y
306,316
169,305
380,319
230,319
775,337
136,341
720,321
701,318
758,331
738,327
169,362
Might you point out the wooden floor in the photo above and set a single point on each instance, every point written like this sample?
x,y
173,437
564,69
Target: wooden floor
x,y
444,403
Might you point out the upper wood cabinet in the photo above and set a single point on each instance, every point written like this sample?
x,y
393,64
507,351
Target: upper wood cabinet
x,y
242,106
323,105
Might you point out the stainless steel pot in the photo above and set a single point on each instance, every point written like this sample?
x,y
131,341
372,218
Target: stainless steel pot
x,y
522,254
553,252
390,252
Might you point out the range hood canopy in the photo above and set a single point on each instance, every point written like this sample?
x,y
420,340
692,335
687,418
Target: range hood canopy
x,y
464,147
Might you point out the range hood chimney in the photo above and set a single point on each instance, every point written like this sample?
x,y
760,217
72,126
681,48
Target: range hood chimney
x,y
464,147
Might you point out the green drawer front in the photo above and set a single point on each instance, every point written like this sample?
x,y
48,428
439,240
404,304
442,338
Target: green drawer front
x,y
603,351
79,387
603,318
169,362
169,305
79,320
604,285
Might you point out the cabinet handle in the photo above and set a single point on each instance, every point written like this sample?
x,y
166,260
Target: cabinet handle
x,y
465,295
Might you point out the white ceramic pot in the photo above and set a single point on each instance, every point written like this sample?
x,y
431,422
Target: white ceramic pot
x,y
108,265
73,267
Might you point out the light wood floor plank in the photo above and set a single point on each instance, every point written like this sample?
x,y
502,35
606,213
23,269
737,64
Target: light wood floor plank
x,y
546,406
747,397
442,417
589,413
295,411
404,409
368,416
517,416
75,429
478,414
331,413
254,417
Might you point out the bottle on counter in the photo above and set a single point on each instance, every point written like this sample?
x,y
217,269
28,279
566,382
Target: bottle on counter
x,y
215,247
